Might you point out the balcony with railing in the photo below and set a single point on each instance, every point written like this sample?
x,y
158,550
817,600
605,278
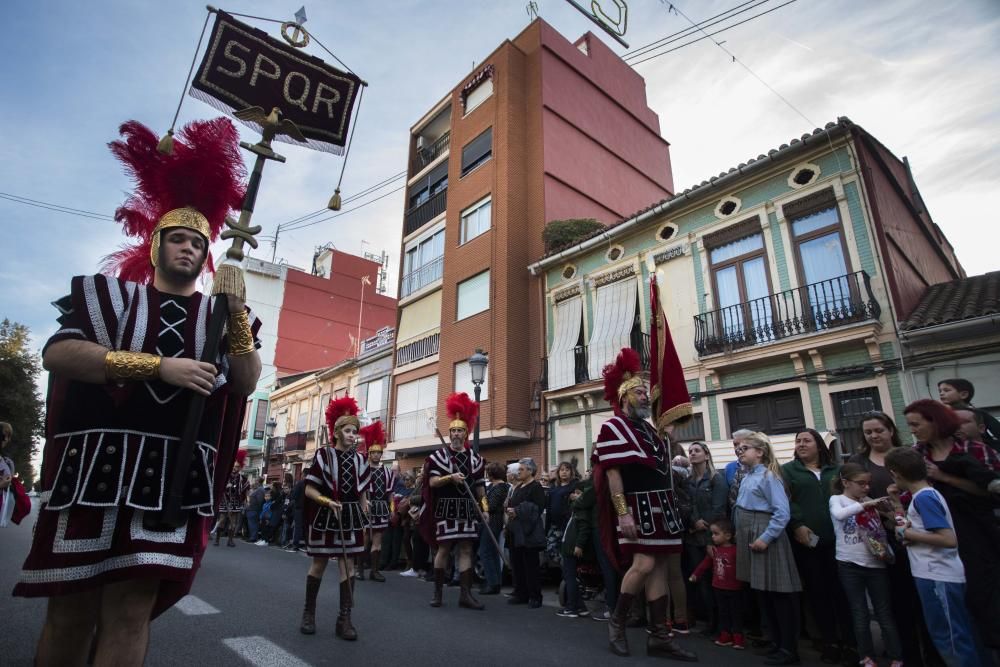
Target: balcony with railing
x,y
415,424
428,152
422,213
296,442
422,277
813,308
276,445
418,349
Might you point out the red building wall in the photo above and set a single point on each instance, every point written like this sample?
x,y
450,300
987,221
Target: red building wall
x,y
319,315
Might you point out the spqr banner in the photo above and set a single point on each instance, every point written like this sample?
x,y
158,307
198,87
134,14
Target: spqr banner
x,y
244,67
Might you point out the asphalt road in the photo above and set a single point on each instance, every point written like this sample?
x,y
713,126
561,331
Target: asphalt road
x,y
246,604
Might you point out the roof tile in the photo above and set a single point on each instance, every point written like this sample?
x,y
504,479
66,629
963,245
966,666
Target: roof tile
x,y
958,300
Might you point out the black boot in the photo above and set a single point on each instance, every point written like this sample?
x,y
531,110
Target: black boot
x,y
218,536
438,587
616,625
376,575
360,566
308,626
659,643
345,630
465,597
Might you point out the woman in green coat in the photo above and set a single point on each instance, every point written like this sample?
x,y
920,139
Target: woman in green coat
x,y
809,478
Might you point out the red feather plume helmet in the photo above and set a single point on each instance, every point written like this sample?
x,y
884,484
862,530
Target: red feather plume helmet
x,y
620,376
374,435
462,412
339,413
241,457
195,187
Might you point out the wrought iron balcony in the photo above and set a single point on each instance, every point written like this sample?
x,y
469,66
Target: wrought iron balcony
x,y
426,154
275,445
812,308
422,213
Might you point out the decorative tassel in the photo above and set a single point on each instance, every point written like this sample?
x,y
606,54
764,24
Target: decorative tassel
x,y
334,204
229,280
166,145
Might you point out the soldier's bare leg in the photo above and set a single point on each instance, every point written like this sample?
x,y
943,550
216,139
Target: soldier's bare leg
x,y
318,567
464,555
442,555
638,575
69,629
125,617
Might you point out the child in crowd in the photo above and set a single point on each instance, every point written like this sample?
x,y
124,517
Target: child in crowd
x,y
763,552
266,520
725,585
862,555
929,534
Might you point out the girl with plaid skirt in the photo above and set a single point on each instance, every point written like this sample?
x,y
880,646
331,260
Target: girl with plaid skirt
x,y
763,552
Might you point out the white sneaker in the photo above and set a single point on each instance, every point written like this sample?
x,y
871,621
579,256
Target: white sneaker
x,y
409,573
260,543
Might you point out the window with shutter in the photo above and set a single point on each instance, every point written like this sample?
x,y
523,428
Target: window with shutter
x,y
477,151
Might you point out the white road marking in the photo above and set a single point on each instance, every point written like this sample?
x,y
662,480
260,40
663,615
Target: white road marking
x,y
262,653
191,605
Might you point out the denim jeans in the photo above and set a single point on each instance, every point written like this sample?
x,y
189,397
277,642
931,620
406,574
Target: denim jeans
x,y
297,527
948,621
861,583
490,558
611,580
573,600
253,526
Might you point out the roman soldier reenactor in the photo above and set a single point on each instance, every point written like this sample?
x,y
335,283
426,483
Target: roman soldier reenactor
x,y
234,499
638,519
380,486
448,515
336,512
123,366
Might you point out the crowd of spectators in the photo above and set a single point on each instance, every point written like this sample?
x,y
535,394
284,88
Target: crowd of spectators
x,y
813,549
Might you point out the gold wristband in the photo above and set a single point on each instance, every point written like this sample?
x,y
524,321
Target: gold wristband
x,y
621,507
120,366
323,500
240,336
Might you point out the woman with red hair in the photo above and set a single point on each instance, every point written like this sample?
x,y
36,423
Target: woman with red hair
x,y
958,469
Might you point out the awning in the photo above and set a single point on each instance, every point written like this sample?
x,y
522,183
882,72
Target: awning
x,y
614,312
562,358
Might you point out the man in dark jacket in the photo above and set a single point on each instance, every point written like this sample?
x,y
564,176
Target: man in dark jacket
x,y
254,506
298,505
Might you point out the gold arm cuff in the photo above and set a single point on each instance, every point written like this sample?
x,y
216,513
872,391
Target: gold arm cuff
x,y
240,336
621,507
323,500
119,365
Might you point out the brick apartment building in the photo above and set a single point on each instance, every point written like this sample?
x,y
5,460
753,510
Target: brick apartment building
x,y
542,129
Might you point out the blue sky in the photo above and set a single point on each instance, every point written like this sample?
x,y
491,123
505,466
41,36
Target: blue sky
x,y
922,77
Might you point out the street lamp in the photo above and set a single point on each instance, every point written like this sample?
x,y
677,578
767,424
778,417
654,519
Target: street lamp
x,y
477,367
269,427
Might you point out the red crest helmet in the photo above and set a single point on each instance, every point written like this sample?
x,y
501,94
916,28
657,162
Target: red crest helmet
x,y
374,435
620,376
339,412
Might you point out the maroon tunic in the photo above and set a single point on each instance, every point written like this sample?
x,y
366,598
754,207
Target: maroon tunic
x,y
341,476
109,449
448,513
380,497
643,460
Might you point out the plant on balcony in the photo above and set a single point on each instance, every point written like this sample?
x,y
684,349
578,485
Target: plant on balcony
x,y
560,234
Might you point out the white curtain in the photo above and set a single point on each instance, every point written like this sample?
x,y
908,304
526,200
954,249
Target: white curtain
x,y
614,311
562,358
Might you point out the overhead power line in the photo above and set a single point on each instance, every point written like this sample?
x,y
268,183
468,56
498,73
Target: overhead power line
x,y
58,208
687,32
710,35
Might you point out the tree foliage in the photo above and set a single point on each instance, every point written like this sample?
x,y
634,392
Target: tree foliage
x,y
561,234
20,403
